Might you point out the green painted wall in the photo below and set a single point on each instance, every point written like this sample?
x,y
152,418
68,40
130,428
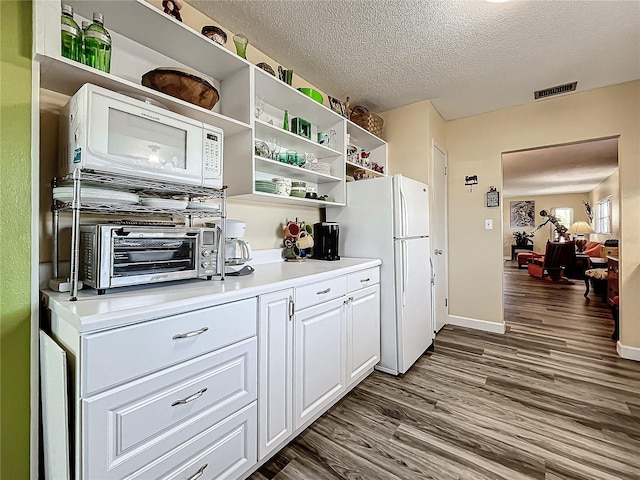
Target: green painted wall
x,y
15,236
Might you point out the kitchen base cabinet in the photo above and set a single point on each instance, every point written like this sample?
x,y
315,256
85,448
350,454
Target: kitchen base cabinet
x,y
212,392
275,378
363,331
227,450
148,418
319,358
188,376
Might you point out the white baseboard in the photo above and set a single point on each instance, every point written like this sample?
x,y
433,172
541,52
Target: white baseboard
x,y
630,353
476,324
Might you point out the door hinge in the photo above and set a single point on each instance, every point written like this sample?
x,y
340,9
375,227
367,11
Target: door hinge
x,y
291,308
446,302
445,169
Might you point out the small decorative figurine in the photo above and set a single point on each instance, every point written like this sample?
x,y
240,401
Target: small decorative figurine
x,y
173,7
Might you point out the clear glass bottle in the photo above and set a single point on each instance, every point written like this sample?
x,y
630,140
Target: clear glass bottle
x,y
97,45
71,36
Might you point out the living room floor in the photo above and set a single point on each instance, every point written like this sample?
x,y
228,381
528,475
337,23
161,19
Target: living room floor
x,y
550,399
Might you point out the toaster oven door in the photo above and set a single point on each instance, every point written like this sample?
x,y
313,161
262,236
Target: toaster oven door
x,y
150,258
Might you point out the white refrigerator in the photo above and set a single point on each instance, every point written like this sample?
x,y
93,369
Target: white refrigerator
x,y
388,218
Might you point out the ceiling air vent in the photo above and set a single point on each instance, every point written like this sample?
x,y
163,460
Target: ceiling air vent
x,y
548,92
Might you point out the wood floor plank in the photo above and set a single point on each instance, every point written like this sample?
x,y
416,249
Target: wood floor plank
x,y
548,400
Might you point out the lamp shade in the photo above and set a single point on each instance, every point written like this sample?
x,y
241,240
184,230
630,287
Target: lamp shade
x,y
580,228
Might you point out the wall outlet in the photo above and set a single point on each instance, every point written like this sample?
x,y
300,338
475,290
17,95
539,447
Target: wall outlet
x,y
488,224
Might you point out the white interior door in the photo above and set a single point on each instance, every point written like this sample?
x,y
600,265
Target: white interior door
x,y
439,236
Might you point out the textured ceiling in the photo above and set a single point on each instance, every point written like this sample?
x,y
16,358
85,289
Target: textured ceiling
x,y
466,56
574,168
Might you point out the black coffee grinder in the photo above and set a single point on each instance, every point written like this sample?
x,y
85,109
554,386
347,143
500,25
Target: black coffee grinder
x,y
326,236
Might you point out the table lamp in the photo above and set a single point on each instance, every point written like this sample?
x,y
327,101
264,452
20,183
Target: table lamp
x,y
579,229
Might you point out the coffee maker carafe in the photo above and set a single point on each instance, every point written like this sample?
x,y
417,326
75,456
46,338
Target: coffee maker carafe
x,y
326,237
237,252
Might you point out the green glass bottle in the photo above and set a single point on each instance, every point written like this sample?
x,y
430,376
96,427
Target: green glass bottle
x,y
71,36
97,45
285,122
85,26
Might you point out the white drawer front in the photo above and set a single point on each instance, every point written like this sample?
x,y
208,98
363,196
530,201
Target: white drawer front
x,y
322,291
116,356
225,451
128,427
363,279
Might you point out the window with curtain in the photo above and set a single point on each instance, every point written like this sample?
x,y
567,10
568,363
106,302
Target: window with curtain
x,y
603,216
564,216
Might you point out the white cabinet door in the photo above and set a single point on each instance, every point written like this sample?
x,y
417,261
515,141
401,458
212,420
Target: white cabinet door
x,y
319,358
363,332
275,352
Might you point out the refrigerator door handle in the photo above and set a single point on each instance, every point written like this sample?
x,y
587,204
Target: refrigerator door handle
x,y
405,272
403,213
433,271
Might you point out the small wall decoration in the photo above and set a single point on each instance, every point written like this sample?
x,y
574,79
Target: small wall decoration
x,y
493,197
301,127
523,213
337,106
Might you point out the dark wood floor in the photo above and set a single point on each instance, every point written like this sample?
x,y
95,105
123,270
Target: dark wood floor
x,y
550,399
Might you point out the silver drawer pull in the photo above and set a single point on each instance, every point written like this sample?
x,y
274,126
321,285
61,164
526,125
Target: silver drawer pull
x,y
190,398
199,473
322,292
190,334
365,280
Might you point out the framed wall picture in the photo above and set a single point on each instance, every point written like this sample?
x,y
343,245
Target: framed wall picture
x,y
337,106
493,197
522,213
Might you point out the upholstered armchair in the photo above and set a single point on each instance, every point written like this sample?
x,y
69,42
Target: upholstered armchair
x,y
558,257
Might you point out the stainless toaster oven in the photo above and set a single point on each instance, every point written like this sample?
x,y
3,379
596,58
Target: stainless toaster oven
x,y
118,255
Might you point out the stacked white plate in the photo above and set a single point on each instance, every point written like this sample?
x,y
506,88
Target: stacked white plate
x,y
204,206
265,186
164,203
319,167
103,196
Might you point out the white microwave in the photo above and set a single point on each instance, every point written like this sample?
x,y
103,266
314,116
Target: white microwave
x,y
109,132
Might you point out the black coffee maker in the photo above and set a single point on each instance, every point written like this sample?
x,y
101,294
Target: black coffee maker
x,y
325,238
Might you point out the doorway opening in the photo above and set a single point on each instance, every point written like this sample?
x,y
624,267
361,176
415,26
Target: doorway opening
x,y
561,221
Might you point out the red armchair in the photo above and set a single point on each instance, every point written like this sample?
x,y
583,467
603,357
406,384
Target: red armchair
x,y
558,257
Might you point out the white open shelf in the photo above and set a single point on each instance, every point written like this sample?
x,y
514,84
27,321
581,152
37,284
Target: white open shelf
x,y
145,38
291,141
285,97
354,166
282,169
305,202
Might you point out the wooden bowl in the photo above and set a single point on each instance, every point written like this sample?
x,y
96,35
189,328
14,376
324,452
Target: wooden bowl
x,y
182,84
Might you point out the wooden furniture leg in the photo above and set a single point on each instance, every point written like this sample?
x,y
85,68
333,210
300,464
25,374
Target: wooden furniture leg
x,y
615,313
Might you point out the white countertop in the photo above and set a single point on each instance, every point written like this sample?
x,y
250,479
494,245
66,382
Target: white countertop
x,y
123,306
